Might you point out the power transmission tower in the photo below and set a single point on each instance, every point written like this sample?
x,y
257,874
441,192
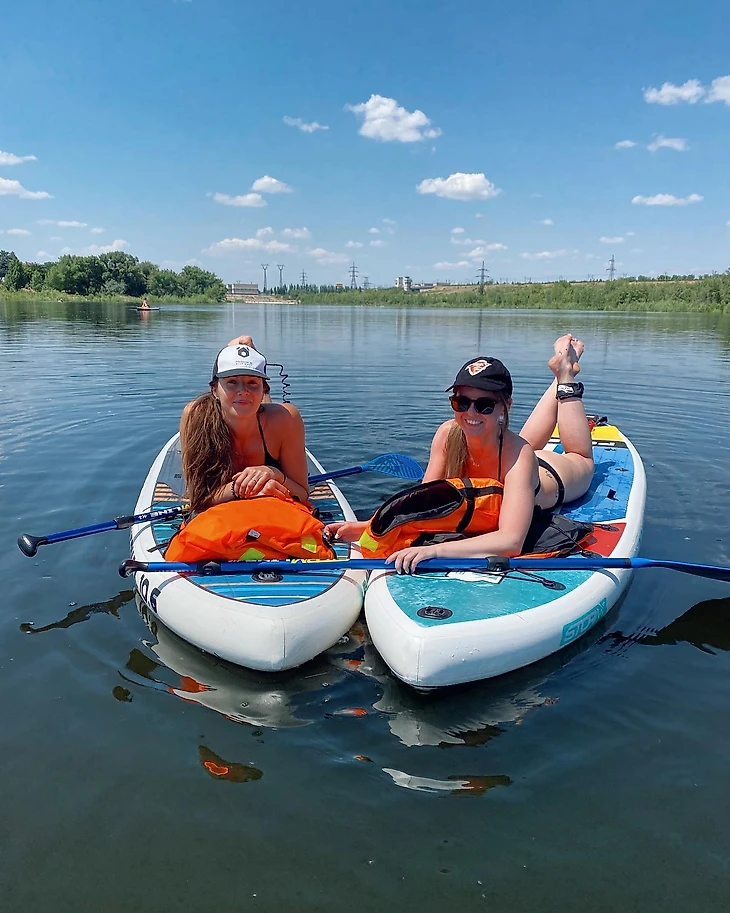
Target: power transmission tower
x,y
611,270
264,267
365,283
481,277
353,276
280,267
303,279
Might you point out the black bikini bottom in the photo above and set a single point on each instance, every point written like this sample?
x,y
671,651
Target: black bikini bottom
x,y
558,481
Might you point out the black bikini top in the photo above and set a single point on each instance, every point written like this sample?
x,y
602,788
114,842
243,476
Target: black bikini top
x,y
268,459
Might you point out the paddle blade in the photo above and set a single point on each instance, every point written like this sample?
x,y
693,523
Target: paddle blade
x,y
396,464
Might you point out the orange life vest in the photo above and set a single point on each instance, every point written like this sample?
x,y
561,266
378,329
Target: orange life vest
x,y
251,530
468,506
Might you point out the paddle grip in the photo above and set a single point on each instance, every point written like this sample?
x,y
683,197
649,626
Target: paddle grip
x,y
29,544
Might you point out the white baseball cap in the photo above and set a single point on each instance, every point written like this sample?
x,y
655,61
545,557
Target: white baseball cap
x,y
235,360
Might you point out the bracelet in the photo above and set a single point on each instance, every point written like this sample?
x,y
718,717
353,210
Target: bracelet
x,y
234,496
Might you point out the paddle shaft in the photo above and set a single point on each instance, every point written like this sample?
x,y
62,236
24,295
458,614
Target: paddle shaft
x,y
488,565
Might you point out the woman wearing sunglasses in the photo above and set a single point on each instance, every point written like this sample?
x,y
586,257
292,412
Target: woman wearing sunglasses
x,y
477,443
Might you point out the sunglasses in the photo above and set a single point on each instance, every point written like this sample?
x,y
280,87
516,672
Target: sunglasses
x,y
484,405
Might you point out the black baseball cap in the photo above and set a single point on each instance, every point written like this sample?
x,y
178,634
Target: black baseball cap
x,y
484,373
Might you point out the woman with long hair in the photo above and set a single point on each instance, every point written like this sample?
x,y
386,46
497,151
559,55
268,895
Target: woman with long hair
x,y
477,443
235,442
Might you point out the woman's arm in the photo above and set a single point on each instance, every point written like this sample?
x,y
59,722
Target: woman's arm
x,y
507,540
437,459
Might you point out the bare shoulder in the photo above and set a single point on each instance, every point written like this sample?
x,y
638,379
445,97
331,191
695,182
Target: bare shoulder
x,y
517,448
442,433
281,414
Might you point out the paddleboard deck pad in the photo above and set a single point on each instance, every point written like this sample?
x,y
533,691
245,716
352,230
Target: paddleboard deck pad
x,y
261,620
441,629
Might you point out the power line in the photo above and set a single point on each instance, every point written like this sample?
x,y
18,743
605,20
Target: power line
x,y
264,267
365,282
353,275
611,270
280,267
303,279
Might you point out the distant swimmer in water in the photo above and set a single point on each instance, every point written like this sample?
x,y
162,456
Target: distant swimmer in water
x,y
145,305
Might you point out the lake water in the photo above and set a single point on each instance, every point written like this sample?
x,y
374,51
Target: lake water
x,y
595,780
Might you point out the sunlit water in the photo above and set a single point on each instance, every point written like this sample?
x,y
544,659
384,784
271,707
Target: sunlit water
x,y
139,774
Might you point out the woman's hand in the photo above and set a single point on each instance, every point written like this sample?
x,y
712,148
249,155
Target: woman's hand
x,y
406,560
243,341
251,482
345,530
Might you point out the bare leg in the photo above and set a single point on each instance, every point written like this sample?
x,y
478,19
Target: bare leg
x,y
575,464
539,427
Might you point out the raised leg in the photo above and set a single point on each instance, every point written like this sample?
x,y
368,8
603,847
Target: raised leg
x,y
539,427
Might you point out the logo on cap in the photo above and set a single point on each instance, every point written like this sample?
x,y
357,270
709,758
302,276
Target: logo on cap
x,y
243,351
476,367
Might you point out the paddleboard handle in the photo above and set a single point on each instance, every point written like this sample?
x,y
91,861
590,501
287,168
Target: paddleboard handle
x,y
29,544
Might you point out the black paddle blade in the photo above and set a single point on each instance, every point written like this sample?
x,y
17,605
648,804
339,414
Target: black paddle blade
x,y
29,544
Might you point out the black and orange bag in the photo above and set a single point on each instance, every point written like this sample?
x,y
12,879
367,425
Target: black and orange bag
x,y
252,529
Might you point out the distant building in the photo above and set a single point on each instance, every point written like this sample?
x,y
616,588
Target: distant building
x,y
404,282
339,286
421,286
241,289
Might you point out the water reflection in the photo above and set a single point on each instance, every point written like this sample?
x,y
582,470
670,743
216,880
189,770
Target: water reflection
x,y
83,613
705,626
219,769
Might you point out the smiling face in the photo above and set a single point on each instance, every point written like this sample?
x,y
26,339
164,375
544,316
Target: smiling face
x,y
240,396
474,424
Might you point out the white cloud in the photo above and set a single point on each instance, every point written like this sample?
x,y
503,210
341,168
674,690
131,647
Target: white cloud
x,y
719,90
55,238
15,231
545,222
243,199
624,144
42,254
544,255
608,240
97,231
667,199
267,184
323,256
387,121
460,186
303,233
353,244
667,142
467,242
377,243
265,232
374,231
305,127
457,231
243,244
9,158
96,249
15,188
669,94
445,264
389,222
485,249
62,223
630,234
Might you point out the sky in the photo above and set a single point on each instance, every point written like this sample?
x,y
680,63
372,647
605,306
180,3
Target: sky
x,y
411,137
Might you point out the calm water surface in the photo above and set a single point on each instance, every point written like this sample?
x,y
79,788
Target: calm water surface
x,y
140,775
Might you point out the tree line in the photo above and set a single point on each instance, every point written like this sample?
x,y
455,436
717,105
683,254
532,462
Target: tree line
x,y
109,275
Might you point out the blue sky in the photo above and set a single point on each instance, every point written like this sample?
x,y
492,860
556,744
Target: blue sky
x,y
410,137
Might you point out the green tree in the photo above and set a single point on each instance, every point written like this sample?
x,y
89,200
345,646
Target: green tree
x,y
124,270
76,275
165,283
197,282
6,258
15,276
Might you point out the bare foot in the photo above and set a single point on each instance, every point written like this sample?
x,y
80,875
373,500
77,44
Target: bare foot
x,y
561,364
577,349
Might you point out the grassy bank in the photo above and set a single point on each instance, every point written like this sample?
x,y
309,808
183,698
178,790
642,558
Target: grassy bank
x,y
710,294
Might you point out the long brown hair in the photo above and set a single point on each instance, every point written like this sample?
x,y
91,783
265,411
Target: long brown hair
x,y
208,455
457,449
